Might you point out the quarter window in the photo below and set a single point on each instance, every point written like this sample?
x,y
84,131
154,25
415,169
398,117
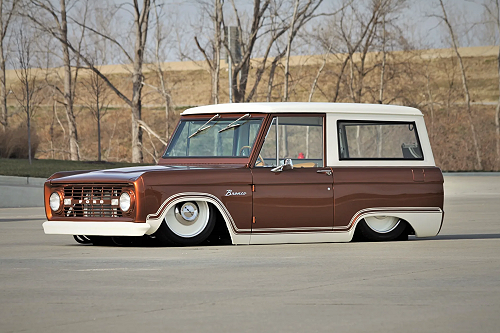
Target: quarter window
x,y
360,140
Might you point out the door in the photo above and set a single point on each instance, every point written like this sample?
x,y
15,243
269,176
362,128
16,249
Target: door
x,y
298,199
294,200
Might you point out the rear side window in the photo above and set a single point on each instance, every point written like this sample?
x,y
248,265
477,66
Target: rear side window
x,y
371,140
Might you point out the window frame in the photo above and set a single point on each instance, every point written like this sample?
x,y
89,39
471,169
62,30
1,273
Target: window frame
x,y
269,123
342,139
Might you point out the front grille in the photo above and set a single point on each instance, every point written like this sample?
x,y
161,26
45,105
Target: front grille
x,y
92,200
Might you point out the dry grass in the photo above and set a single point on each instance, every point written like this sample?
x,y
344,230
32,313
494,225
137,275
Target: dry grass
x,y
406,84
14,142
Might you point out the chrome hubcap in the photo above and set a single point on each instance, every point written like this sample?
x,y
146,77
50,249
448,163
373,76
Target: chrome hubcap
x,y
187,213
382,224
188,219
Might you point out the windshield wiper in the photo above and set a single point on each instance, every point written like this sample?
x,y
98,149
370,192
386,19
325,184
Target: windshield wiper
x,y
204,126
232,125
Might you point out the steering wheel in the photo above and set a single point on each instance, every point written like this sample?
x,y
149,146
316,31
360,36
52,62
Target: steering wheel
x,y
258,163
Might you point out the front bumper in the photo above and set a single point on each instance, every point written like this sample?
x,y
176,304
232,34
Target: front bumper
x,y
95,228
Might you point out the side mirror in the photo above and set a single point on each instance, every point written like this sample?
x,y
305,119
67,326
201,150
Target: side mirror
x,y
287,165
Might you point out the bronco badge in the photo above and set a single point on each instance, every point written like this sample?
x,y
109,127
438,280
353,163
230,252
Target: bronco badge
x,y
230,192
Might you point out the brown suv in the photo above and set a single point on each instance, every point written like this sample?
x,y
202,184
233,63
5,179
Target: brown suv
x,y
265,173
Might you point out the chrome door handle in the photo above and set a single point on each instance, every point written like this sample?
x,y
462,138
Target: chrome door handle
x,y
327,172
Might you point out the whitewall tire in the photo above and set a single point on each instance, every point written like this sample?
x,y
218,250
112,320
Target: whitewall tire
x,y
188,223
383,228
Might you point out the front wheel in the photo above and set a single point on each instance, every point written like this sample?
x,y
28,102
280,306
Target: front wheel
x,y
382,228
188,223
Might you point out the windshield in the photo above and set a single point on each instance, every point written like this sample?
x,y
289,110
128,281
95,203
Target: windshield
x,y
214,137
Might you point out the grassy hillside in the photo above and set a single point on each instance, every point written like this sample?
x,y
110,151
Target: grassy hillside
x,y
427,80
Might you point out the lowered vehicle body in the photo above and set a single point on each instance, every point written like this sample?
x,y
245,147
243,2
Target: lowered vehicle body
x,y
259,173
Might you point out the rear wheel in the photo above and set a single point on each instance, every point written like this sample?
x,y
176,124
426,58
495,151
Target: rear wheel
x,y
188,223
382,228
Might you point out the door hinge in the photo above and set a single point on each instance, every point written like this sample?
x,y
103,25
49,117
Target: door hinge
x,y
253,219
253,188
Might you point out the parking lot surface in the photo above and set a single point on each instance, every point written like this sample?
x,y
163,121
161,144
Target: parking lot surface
x,y
449,283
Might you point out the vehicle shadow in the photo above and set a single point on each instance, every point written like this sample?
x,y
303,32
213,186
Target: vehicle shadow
x,y
459,237
144,241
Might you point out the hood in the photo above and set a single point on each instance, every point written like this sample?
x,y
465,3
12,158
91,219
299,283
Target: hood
x,y
120,175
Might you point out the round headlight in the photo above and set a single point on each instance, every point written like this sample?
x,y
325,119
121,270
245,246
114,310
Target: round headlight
x,y
55,201
125,201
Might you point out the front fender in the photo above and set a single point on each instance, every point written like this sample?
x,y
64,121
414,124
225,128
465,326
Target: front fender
x,y
155,220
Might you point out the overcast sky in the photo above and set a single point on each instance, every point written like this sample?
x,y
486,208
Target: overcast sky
x,y
183,20
424,29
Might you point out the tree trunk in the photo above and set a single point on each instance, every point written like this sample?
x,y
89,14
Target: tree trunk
x,y
497,113
336,93
3,90
68,96
29,136
141,29
431,102
217,46
270,83
288,50
315,81
98,133
137,156
5,18
382,69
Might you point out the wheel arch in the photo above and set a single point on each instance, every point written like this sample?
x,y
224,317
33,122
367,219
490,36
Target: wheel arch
x,y
421,221
156,219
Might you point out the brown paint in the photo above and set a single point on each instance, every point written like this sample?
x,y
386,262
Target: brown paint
x,y
366,187
301,197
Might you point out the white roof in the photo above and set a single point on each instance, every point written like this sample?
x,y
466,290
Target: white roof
x,y
300,107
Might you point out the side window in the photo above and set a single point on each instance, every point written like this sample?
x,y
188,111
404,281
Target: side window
x,y
360,140
298,138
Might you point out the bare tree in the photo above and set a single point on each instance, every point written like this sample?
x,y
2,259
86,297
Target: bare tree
x,y
430,98
465,86
140,30
248,40
29,96
492,8
358,29
316,78
97,102
7,9
213,59
347,31
383,64
288,49
302,14
163,88
57,26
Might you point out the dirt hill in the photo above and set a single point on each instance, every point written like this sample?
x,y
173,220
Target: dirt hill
x,y
429,80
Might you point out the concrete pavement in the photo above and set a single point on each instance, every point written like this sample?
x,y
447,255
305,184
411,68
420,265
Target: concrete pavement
x,y
21,192
450,283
